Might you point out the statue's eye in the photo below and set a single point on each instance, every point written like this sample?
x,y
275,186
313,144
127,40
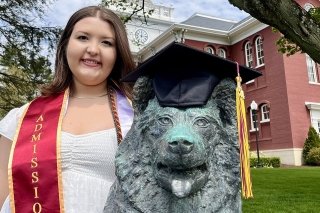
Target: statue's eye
x,y
165,120
201,122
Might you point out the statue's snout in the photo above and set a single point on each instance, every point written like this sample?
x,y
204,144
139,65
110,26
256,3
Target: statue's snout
x,y
181,140
180,146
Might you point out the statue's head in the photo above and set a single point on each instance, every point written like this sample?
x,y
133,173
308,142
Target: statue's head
x,y
186,144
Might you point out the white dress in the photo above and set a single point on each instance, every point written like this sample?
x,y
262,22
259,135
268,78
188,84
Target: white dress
x,y
88,169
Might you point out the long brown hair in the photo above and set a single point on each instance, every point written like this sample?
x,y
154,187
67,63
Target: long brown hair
x,y
124,62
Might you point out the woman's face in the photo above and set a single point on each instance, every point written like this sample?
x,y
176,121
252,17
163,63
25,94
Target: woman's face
x,y
91,51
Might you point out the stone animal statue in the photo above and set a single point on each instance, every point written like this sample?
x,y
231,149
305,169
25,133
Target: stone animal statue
x,y
179,160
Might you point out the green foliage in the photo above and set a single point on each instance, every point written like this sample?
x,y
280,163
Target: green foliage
x,y
22,64
273,162
315,14
20,78
285,46
313,157
312,141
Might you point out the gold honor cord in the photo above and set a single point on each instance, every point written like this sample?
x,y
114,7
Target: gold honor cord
x,y
243,140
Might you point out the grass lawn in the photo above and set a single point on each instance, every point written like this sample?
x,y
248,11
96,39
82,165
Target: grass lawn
x,y
284,190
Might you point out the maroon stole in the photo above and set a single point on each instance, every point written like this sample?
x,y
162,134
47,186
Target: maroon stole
x,y
35,163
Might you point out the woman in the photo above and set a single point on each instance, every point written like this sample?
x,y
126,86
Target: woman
x,y
63,143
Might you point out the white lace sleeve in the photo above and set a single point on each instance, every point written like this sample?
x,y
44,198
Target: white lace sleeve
x,y
9,123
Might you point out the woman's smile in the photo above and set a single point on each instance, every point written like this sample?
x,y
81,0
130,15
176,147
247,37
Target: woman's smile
x,y
91,63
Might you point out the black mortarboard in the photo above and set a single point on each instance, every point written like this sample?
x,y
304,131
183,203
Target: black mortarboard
x,y
184,76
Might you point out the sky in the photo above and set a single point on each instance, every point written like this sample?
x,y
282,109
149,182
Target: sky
x,y
61,10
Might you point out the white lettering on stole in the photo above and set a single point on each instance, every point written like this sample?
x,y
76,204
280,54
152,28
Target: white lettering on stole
x,y
37,208
35,138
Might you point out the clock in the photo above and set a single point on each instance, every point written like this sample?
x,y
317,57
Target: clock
x,y
141,36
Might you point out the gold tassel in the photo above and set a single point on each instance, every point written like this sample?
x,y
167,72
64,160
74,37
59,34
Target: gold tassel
x,y
243,141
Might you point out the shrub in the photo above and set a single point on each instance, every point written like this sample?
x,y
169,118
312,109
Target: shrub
x,y
275,162
313,157
312,141
265,162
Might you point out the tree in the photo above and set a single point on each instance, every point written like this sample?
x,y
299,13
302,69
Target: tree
x,y
22,64
129,8
290,19
286,46
19,84
312,141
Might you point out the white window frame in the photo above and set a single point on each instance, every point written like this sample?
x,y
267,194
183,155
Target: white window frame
x,y
308,6
312,70
265,114
252,126
165,12
259,51
314,110
222,53
248,54
209,49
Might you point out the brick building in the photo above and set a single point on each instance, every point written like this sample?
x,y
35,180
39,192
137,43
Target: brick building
x,y
287,93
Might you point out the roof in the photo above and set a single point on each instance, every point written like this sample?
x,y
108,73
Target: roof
x,y
210,22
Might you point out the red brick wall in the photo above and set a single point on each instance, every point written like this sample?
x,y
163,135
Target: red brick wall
x,y
300,91
284,86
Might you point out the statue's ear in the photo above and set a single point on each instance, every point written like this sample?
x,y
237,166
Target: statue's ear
x,y
224,94
142,93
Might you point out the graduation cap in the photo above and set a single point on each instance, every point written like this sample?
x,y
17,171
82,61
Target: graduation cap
x,y
184,76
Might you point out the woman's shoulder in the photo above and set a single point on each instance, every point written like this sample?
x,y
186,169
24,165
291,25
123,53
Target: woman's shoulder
x,y
9,123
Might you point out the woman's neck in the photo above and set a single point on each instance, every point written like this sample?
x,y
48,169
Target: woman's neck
x,y
83,91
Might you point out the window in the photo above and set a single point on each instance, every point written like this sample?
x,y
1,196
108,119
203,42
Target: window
x,y
222,53
265,117
308,6
259,51
165,12
312,70
253,120
314,109
248,54
209,49
315,122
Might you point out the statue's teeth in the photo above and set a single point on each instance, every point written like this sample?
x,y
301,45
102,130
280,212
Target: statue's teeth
x,y
181,188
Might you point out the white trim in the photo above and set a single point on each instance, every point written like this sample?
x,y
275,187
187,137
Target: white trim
x,y
264,109
292,156
310,82
249,82
223,51
248,52
257,46
209,49
261,65
245,29
314,110
240,32
308,6
251,121
312,105
311,69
